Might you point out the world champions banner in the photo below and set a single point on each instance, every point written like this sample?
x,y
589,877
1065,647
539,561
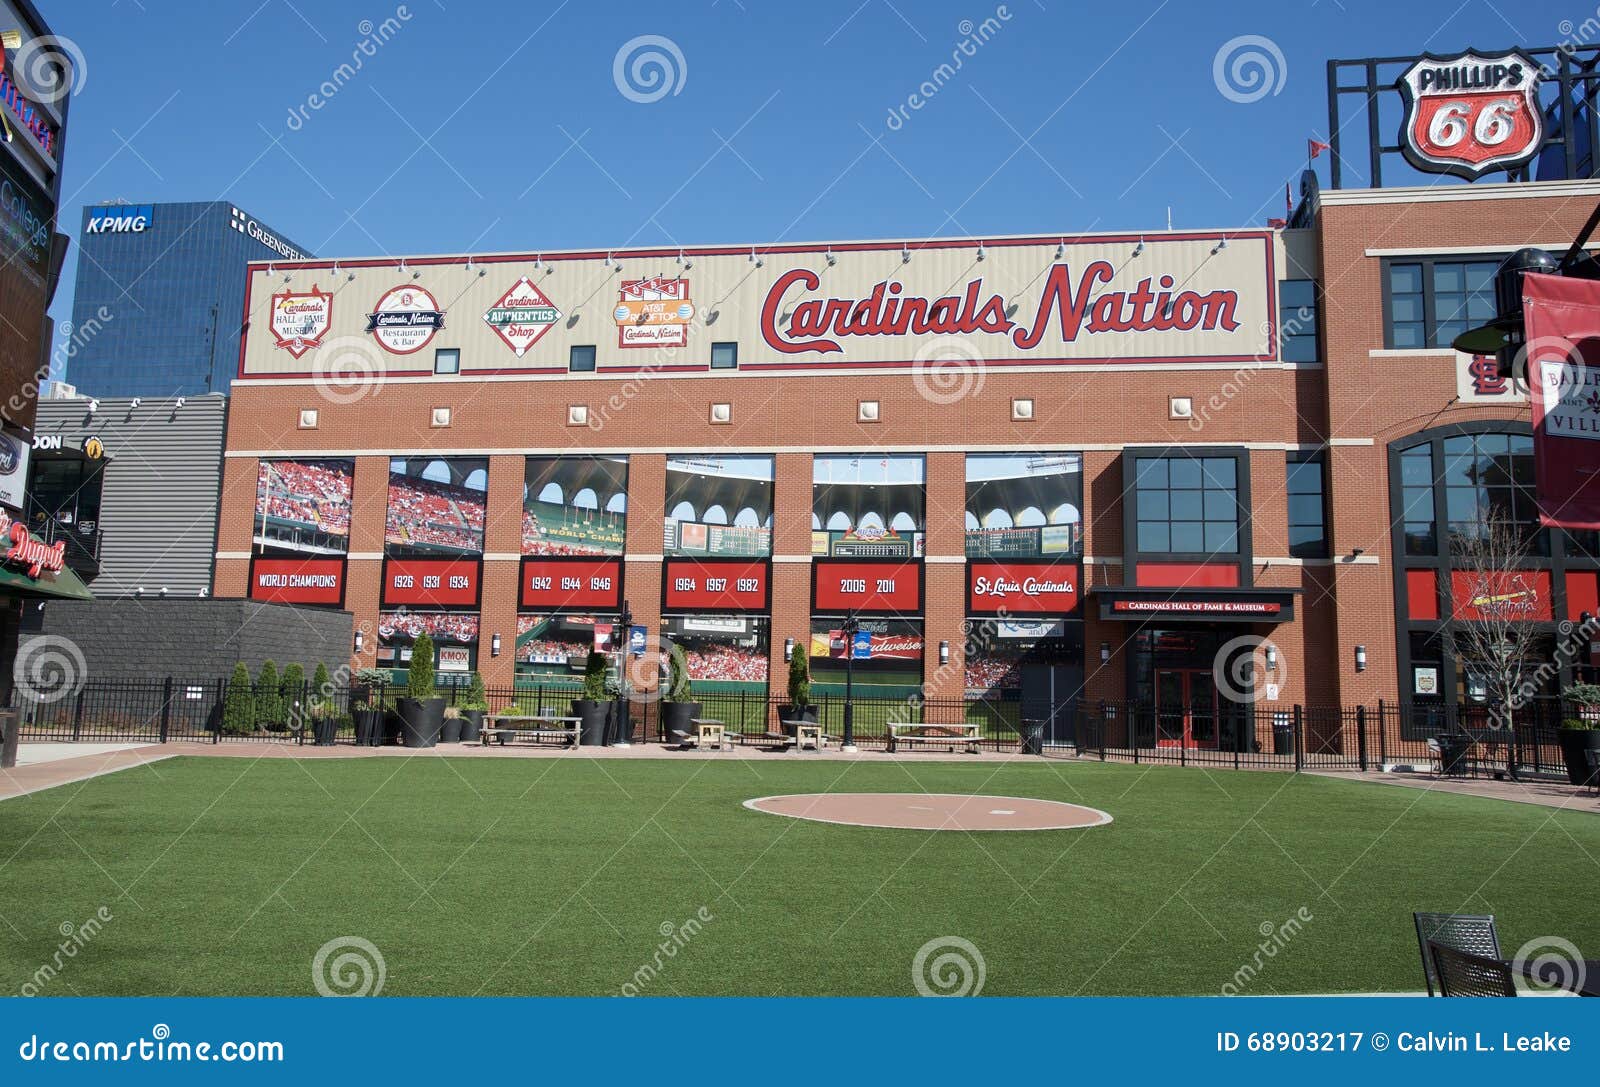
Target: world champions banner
x,y
1563,335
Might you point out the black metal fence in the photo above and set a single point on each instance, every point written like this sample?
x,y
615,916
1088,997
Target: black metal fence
x,y
1297,737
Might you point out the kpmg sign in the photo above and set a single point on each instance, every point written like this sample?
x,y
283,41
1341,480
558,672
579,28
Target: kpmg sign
x,y
120,219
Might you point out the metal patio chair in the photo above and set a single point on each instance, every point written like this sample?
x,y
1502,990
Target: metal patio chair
x,y
1472,933
1462,973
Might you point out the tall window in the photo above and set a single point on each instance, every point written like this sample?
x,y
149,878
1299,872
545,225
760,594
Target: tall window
x,y
1488,480
1416,497
1308,509
1187,505
1431,302
1297,305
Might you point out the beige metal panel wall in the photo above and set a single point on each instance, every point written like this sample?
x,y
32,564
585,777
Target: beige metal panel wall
x,y
1045,301
158,508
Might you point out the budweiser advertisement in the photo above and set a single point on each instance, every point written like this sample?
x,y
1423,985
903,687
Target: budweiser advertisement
x,y
1022,588
297,580
1018,301
693,585
1563,332
879,646
431,583
866,588
557,585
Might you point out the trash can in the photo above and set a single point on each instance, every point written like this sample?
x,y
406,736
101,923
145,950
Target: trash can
x,y
1032,732
1282,735
10,728
1453,751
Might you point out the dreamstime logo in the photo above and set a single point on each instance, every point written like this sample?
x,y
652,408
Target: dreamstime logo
x,y
948,966
373,38
947,369
646,675
1550,962
357,968
1248,68
50,68
1274,938
347,369
648,68
49,668
675,937
974,36
1241,667
74,939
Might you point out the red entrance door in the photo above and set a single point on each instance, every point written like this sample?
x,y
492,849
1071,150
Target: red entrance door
x,y
1186,708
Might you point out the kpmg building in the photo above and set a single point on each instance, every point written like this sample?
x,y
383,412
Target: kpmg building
x,y
171,277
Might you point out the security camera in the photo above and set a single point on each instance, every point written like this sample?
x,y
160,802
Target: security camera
x,y
136,402
94,406
163,590
179,404
138,590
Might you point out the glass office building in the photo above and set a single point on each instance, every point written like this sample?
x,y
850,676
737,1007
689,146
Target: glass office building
x,y
162,286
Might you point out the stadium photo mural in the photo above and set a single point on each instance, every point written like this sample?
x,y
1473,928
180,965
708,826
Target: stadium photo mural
x,y
867,506
554,648
455,641
1024,505
436,506
721,653
718,506
890,668
575,505
301,532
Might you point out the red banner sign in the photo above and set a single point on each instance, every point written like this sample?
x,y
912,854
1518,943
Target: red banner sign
x,y
1563,330
298,581
1518,595
869,588
557,585
431,583
694,585
1022,588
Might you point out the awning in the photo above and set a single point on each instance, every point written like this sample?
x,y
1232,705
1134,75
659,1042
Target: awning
x,y
1139,604
61,585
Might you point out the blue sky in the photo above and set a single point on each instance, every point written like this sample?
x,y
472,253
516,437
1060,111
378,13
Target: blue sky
x,y
479,126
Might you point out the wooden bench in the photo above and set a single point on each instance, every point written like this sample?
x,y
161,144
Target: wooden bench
x,y
799,735
916,733
708,732
511,726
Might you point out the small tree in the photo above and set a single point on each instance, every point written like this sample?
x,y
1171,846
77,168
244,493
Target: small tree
x,y
269,699
799,678
477,697
239,705
594,677
292,693
419,680
321,685
678,686
1495,635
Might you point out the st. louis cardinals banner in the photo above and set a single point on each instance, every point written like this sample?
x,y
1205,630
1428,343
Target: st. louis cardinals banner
x,y
1563,331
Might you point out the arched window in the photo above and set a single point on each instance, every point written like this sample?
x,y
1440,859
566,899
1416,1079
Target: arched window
x,y
839,522
903,522
1065,514
618,503
716,515
997,518
682,512
477,480
972,522
586,499
746,518
552,494
1032,517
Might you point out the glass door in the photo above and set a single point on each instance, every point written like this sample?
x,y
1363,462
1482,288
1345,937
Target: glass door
x,y
1186,708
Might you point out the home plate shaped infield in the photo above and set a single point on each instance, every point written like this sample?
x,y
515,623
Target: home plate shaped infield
x,y
931,811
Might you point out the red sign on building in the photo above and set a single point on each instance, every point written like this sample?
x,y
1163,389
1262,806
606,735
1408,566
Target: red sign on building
x,y
867,588
298,581
711,586
1517,595
431,583
1022,588
577,584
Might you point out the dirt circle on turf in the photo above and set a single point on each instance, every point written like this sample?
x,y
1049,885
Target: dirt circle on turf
x,y
931,811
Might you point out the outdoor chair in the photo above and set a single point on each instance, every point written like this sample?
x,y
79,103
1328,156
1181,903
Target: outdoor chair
x,y
1472,933
1464,974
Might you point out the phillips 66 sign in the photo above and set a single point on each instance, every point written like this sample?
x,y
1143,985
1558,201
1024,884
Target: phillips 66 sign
x,y
1471,113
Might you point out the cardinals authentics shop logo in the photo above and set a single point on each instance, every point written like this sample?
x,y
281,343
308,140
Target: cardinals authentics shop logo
x,y
1471,113
405,319
653,312
522,316
300,318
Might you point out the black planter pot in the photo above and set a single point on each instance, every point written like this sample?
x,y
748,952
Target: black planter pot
x,y
369,726
1576,743
596,716
471,726
421,721
450,731
678,717
323,730
1453,755
392,727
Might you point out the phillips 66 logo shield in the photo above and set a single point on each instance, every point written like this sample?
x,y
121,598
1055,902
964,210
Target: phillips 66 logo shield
x,y
1471,113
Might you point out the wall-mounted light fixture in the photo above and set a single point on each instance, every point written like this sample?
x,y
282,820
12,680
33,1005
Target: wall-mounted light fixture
x,y
361,641
944,652
1272,658
1361,658
494,646
788,649
1105,652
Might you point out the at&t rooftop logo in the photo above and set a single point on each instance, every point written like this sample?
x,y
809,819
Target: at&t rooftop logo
x,y
120,219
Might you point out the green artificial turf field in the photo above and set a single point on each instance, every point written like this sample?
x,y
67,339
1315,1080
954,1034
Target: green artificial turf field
x,y
560,876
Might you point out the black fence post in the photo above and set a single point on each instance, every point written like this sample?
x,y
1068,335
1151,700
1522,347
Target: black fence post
x,y
1361,736
166,707
1299,739
1383,728
77,713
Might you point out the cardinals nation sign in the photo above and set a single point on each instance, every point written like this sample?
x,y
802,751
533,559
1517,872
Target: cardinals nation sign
x,y
1471,113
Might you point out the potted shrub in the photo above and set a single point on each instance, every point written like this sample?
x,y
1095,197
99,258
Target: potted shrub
x,y
239,705
422,710
450,730
1581,734
368,686
678,709
593,708
366,706
324,724
473,709
799,707
269,700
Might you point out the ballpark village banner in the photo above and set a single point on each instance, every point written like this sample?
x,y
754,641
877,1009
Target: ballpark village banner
x,y
1159,299
1563,334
